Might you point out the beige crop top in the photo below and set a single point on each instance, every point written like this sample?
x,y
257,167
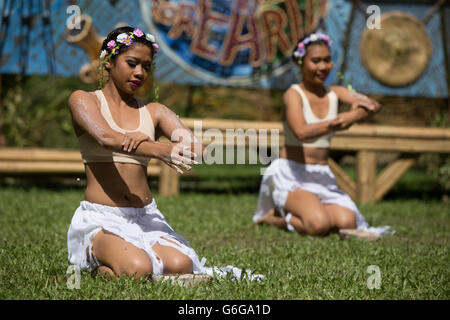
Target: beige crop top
x,y
320,142
92,151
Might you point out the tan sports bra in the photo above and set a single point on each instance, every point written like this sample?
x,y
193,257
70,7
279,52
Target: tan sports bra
x,y
290,139
92,151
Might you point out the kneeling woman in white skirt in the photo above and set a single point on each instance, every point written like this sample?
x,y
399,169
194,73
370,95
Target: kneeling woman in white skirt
x,y
118,228
298,191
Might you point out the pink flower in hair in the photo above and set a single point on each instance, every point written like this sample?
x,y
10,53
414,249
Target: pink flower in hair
x,y
138,33
111,44
155,46
326,38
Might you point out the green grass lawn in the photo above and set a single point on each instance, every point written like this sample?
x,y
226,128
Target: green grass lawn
x,y
413,263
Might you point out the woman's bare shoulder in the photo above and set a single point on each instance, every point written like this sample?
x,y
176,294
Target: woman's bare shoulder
x,y
154,106
292,96
158,110
82,98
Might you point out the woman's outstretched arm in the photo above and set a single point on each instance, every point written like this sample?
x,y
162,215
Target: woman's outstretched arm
x,y
87,118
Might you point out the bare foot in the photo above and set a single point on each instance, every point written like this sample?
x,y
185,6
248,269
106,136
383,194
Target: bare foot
x,y
267,218
358,234
184,279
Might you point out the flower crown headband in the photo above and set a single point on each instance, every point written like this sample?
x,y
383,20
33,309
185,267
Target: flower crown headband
x,y
126,39
114,49
300,51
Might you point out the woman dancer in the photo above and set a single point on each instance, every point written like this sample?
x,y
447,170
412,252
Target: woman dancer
x,y
118,228
299,191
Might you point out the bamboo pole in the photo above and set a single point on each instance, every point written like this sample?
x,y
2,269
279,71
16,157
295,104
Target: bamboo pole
x,y
39,167
366,176
356,130
169,182
53,167
154,170
36,154
223,124
408,145
396,132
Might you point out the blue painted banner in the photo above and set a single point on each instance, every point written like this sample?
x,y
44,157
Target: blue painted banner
x,y
231,42
212,42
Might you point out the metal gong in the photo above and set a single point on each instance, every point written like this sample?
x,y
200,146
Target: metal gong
x,y
398,53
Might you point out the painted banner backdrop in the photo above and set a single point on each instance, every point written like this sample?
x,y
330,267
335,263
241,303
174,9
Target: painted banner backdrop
x,y
213,42
232,42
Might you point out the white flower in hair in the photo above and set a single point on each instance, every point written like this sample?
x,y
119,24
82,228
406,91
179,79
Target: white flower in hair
x,y
297,55
150,37
314,37
121,38
103,54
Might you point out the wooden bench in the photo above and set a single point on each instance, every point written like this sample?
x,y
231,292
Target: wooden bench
x,y
364,140
20,162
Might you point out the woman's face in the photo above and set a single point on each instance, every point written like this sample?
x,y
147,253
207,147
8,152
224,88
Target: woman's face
x,y
132,68
317,64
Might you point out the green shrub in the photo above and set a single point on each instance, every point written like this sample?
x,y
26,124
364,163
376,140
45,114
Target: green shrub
x,y
34,112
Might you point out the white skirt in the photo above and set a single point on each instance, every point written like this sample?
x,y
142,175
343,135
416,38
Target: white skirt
x,y
284,176
142,227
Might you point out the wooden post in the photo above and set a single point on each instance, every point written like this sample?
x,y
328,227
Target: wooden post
x,y
366,167
169,182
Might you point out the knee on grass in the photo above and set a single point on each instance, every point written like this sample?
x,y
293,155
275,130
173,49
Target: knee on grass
x,y
346,221
319,226
179,264
136,267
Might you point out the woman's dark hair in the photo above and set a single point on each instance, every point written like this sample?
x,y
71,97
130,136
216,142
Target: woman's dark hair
x,y
113,36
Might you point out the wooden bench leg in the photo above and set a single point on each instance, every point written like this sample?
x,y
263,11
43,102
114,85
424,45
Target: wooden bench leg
x,y
169,182
391,174
366,167
343,180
